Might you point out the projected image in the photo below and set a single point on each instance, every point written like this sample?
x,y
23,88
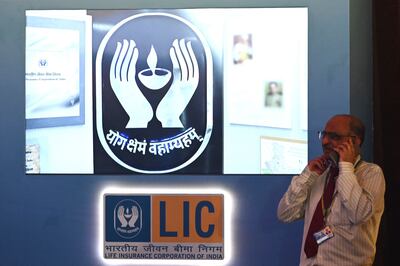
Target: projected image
x,y
267,95
52,85
273,94
282,156
54,75
58,103
181,91
242,48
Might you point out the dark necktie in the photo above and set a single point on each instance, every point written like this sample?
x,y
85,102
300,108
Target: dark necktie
x,y
317,222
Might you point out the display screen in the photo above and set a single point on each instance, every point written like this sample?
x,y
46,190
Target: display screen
x,y
166,91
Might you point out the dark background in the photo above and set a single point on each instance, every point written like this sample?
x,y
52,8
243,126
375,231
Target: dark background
x,y
386,73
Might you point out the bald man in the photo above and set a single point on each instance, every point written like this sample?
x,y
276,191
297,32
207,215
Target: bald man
x,y
339,196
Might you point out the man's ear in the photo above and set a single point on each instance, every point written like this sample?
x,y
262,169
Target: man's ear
x,y
357,141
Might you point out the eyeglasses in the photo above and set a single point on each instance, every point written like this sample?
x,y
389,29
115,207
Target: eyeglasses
x,y
332,135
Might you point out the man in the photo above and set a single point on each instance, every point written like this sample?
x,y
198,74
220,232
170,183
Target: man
x,y
341,226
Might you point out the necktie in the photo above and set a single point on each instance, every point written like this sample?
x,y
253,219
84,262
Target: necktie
x,y
317,221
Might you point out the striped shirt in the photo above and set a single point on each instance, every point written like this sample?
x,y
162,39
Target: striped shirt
x,y
354,216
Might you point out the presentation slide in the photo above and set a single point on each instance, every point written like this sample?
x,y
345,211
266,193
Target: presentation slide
x,y
154,91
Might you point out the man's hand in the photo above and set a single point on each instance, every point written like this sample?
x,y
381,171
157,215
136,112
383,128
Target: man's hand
x,y
348,151
319,164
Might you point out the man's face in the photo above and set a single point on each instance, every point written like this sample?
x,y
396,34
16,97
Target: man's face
x,y
336,132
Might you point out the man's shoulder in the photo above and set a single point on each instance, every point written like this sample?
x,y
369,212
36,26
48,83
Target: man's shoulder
x,y
368,164
366,167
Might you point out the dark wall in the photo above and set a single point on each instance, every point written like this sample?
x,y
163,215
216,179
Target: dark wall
x,y
361,67
386,36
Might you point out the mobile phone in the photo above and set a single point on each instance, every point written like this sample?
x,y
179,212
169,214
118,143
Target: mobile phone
x,y
334,156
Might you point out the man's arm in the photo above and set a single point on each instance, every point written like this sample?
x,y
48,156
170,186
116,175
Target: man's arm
x,y
292,205
361,196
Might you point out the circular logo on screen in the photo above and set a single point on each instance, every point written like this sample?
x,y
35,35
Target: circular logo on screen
x,y
154,93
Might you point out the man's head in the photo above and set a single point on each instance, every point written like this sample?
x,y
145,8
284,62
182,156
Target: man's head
x,y
342,128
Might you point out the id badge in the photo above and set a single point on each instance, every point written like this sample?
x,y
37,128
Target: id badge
x,y
323,235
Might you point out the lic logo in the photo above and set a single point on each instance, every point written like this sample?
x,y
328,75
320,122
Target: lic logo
x,y
43,62
127,218
154,87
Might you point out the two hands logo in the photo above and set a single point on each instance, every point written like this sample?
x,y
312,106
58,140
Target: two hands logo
x,y
185,80
127,219
154,89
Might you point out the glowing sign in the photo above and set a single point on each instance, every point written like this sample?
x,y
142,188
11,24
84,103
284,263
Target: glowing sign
x,y
145,227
